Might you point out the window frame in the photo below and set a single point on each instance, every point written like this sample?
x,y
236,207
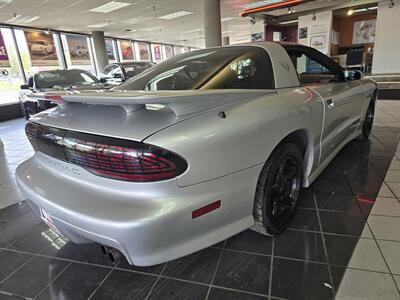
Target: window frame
x,y
318,57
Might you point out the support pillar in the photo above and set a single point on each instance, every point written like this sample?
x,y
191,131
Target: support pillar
x,y
100,49
212,23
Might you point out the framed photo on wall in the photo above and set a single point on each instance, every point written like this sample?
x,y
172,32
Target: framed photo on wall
x,y
364,31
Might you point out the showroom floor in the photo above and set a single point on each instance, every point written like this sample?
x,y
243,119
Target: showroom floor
x,y
343,241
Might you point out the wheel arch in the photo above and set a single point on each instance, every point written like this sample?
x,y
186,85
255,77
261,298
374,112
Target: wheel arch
x,y
303,139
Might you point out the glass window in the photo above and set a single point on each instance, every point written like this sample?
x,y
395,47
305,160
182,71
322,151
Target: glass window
x,y
156,52
111,51
310,71
225,68
142,51
168,51
126,52
29,64
178,50
12,78
63,78
77,52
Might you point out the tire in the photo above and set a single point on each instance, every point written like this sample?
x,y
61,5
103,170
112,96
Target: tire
x,y
276,195
368,122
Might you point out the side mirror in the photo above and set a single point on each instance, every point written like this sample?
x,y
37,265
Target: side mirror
x,y
352,75
24,87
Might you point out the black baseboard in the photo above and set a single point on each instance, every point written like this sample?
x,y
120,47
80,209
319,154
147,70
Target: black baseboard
x,y
9,112
389,94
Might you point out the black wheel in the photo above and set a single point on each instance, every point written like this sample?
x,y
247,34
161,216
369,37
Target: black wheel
x,y
278,189
368,122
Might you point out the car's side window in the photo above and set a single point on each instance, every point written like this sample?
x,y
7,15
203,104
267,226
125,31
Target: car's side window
x,y
312,70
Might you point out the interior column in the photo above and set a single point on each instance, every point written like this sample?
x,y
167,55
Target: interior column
x,y
212,23
100,49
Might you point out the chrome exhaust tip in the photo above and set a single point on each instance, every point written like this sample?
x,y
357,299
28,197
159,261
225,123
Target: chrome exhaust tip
x,y
104,250
114,255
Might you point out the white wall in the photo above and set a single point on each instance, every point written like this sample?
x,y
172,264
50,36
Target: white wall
x,y
387,39
318,31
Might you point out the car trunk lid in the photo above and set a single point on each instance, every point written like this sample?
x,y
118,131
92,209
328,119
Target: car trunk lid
x,y
135,115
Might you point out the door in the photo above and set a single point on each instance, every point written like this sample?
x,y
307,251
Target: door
x,y
342,100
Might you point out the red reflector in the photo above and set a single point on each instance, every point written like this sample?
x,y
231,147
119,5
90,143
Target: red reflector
x,y
206,209
53,97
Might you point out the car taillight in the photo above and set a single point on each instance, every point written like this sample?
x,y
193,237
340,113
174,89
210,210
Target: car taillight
x,y
107,157
53,97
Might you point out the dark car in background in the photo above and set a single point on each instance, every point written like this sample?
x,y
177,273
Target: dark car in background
x,y
54,81
116,73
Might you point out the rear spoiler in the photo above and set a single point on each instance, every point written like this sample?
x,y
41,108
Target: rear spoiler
x,y
180,102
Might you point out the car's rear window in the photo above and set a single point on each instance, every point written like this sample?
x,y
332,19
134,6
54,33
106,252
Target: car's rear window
x,y
239,67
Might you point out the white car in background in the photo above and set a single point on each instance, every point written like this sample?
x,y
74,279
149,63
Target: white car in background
x,y
42,47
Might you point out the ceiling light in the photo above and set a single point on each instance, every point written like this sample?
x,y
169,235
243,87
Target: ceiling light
x,y
350,12
259,3
98,25
109,7
364,9
227,19
22,19
289,22
175,15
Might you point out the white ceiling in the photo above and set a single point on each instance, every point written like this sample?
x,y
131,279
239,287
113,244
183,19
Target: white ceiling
x,y
141,17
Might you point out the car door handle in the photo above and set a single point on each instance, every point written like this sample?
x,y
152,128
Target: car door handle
x,y
330,103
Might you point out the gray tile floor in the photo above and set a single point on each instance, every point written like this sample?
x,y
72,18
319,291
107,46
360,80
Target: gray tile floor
x,y
343,243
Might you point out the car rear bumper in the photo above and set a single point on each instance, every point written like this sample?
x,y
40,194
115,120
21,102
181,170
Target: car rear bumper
x,y
149,223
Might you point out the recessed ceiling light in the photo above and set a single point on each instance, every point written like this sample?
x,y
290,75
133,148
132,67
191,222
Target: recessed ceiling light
x,y
259,3
23,19
110,6
289,22
227,19
98,25
175,15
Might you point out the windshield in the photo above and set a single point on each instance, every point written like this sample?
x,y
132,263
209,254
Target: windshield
x,y
240,67
63,78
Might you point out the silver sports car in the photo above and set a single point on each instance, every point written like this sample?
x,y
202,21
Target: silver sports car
x,y
195,150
